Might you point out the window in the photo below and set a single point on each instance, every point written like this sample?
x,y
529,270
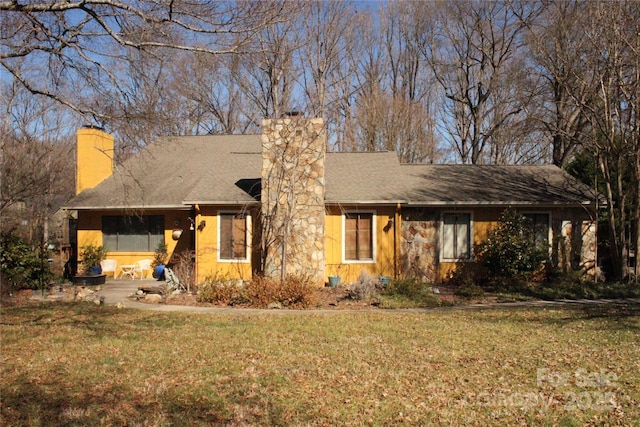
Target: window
x,y
540,224
358,236
456,236
132,233
233,236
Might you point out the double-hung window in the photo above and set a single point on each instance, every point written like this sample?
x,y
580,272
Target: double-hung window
x,y
132,233
358,236
456,236
539,223
233,236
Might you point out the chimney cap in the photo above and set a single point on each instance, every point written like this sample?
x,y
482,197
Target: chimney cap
x,y
293,113
96,127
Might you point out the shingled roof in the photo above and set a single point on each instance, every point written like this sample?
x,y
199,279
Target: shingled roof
x,y
225,170
173,172
492,185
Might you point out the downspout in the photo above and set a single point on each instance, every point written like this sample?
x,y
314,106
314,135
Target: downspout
x,y
195,212
396,238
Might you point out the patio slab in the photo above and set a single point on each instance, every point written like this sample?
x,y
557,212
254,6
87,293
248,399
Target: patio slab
x,y
117,291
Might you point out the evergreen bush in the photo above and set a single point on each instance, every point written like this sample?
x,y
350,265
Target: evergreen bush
x,y
21,267
510,250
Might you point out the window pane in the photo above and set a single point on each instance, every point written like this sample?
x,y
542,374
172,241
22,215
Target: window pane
x,y
540,225
110,233
350,238
462,237
239,238
358,235
233,236
132,233
133,243
456,236
365,251
226,238
448,234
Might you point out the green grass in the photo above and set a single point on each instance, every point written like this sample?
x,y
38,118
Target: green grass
x,y
83,365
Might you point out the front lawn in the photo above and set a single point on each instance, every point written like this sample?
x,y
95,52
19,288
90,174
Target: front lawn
x,y
81,364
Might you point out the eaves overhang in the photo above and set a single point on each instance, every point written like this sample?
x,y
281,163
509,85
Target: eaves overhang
x,y
468,203
365,202
221,202
127,207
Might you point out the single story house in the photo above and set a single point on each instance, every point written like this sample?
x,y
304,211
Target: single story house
x,y
278,203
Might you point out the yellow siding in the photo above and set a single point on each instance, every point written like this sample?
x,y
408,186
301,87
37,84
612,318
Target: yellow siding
x,y
94,158
383,263
207,248
90,233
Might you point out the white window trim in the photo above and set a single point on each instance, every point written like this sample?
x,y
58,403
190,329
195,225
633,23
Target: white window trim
x,y
373,237
247,258
471,237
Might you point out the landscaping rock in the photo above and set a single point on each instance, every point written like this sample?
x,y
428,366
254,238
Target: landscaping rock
x,y
274,306
82,293
153,298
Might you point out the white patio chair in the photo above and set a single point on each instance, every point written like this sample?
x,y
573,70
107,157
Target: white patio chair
x,y
109,266
142,266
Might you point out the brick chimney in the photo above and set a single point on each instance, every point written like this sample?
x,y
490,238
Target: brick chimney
x,y
94,157
293,190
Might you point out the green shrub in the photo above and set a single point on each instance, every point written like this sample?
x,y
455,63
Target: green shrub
x,y
469,291
20,266
409,287
91,256
409,292
510,250
573,286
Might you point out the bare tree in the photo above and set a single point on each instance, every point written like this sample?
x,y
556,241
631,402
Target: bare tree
x,y
474,58
216,102
410,124
72,40
613,115
393,100
36,161
325,29
268,71
557,42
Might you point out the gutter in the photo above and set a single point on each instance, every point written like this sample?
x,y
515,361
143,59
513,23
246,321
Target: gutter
x,y
115,207
220,202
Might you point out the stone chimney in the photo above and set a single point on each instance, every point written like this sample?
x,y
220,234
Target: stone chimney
x,y
293,190
94,157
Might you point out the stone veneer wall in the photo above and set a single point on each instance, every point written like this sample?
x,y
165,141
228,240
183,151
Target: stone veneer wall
x,y
419,249
293,190
576,242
